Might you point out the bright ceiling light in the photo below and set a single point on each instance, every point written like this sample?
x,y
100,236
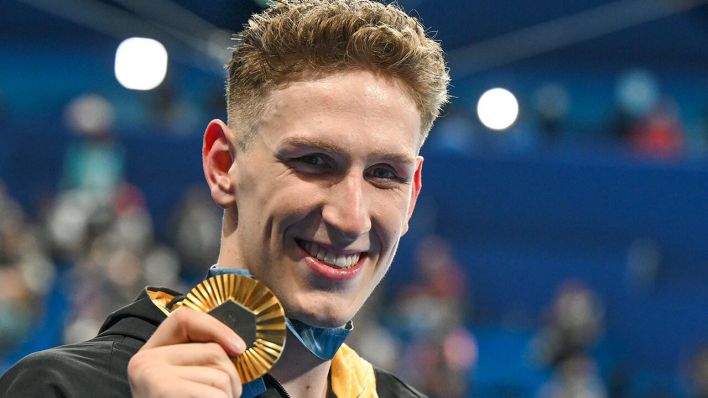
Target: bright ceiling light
x,y
141,63
497,109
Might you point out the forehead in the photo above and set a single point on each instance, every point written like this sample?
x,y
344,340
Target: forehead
x,y
343,106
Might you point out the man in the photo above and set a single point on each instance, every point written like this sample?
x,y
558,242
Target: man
x,y
318,172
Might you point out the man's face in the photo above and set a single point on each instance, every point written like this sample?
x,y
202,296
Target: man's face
x,y
325,191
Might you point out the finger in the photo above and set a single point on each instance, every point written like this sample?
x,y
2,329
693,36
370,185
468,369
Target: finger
x,y
187,325
205,354
192,389
217,378
162,367
170,385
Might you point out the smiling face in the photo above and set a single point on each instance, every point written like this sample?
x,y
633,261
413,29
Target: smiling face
x,y
324,192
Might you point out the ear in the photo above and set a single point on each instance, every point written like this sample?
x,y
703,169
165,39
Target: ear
x,y
216,161
417,186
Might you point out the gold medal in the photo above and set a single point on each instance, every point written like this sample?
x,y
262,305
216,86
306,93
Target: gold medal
x,y
250,309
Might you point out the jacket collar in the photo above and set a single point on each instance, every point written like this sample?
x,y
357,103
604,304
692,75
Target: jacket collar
x,y
138,319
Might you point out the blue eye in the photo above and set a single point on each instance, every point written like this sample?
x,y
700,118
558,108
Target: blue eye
x,y
383,173
313,163
313,160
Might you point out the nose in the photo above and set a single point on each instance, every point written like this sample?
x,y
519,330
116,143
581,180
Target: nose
x,y
346,210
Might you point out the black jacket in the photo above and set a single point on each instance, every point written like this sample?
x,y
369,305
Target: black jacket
x,y
98,368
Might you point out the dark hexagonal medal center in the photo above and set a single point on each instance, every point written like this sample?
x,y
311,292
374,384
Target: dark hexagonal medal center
x,y
237,317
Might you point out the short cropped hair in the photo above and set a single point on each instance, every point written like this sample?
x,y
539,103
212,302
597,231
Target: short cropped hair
x,y
295,39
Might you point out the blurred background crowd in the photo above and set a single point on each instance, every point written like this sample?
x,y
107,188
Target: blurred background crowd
x,y
559,246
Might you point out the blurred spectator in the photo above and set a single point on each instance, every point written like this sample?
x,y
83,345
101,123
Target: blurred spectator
x,y
95,162
162,268
16,307
647,123
441,364
21,246
551,103
440,284
372,338
114,255
575,377
78,217
659,133
26,273
574,325
430,313
699,374
197,231
72,218
11,220
132,224
636,93
438,271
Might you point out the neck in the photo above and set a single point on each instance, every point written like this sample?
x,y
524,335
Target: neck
x,y
228,248
300,372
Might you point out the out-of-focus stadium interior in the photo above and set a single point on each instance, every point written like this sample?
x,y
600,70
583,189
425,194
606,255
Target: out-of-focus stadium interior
x,y
559,248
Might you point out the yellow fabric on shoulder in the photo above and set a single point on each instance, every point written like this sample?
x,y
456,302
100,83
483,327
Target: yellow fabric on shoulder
x,y
160,299
352,375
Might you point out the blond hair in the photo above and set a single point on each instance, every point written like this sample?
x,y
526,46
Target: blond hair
x,y
295,39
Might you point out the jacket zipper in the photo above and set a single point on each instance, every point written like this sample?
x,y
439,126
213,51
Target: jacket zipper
x,y
275,383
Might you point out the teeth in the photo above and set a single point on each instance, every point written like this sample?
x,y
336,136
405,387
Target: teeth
x,y
330,258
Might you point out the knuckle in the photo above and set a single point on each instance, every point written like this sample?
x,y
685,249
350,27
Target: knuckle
x,y
142,375
223,382
137,363
181,316
214,351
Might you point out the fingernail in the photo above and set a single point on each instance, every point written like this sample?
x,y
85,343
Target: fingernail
x,y
238,346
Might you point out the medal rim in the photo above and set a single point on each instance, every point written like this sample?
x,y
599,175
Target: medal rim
x,y
253,295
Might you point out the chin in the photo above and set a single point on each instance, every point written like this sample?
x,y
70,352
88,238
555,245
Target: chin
x,y
321,317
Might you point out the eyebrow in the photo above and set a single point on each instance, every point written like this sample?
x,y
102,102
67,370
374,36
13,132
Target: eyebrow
x,y
328,146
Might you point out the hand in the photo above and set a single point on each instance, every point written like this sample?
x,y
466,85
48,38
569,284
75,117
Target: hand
x,y
187,356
